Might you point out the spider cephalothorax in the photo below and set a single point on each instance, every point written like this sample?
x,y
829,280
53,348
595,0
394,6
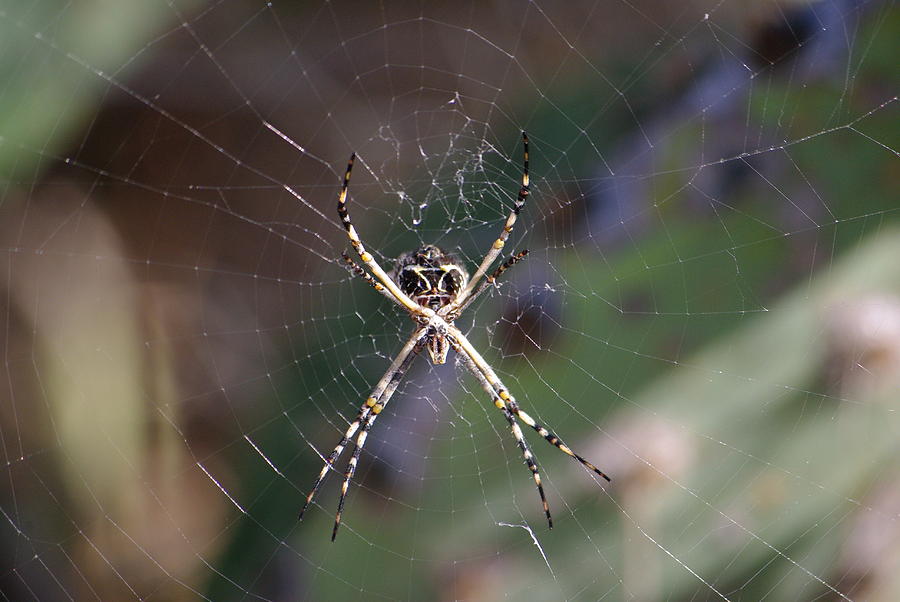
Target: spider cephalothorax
x,y
430,276
434,288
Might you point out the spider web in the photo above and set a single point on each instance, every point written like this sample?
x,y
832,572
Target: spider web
x,y
710,309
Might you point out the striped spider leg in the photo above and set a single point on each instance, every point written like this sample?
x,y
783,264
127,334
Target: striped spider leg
x,y
513,425
506,403
498,245
434,287
370,409
399,296
358,271
486,283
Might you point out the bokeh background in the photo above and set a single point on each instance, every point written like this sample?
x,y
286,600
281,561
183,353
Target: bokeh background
x,y
710,310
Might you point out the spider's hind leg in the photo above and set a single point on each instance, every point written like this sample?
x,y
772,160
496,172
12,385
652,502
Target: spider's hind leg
x,y
551,438
371,406
529,460
513,425
505,402
329,461
396,377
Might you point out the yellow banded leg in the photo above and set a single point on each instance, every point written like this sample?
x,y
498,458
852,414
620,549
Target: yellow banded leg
x,y
348,476
338,450
396,294
498,245
490,280
394,373
485,372
376,408
551,438
530,462
514,427
358,271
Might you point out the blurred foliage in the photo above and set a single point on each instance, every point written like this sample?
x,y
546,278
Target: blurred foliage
x,y
47,100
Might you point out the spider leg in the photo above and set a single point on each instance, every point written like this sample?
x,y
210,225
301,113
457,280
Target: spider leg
x,y
368,407
504,400
509,401
494,252
513,260
551,438
490,280
358,271
396,377
514,427
397,295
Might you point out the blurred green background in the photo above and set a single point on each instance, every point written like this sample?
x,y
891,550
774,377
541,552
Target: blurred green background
x,y
710,311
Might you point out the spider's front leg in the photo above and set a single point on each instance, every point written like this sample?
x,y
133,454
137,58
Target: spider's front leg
x,y
495,249
396,294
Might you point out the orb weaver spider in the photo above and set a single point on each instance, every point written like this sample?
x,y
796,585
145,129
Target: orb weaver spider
x,y
434,287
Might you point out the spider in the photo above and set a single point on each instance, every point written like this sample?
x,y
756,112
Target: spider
x,y
434,287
